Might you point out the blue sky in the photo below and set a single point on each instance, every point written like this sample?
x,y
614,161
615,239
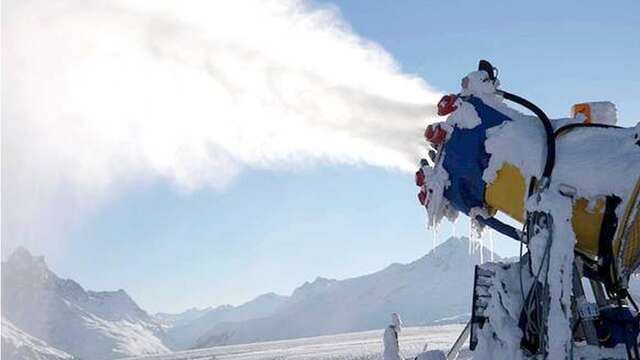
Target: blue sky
x,y
273,230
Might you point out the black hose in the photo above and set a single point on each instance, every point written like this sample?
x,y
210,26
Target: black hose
x,y
548,129
569,127
635,306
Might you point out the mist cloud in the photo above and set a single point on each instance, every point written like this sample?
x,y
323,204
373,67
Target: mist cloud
x,y
100,93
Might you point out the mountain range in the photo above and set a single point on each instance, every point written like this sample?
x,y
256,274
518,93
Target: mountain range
x,y
184,334
429,289
58,314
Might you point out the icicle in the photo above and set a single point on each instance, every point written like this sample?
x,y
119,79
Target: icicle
x,y
470,239
454,230
481,245
491,243
434,230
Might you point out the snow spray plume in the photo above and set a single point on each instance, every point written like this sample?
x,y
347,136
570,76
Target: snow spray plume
x,y
98,93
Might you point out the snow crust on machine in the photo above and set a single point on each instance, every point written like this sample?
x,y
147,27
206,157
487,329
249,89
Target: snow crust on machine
x,y
551,251
438,207
465,117
602,112
475,84
561,243
521,143
503,142
503,310
614,164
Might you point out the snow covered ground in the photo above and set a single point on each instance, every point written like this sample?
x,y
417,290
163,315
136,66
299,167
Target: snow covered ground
x,y
358,345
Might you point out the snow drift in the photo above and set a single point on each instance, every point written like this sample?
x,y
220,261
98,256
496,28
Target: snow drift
x,y
98,93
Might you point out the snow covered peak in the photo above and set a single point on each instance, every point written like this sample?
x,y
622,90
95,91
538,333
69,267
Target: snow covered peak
x,y
454,245
307,289
268,298
87,324
21,258
458,251
182,318
20,254
114,305
269,295
24,268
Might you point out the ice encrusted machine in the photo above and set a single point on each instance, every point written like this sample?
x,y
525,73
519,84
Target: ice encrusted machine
x,y
574,185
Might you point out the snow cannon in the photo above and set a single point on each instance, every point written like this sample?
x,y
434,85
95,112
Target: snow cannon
x,y
489,159
573,183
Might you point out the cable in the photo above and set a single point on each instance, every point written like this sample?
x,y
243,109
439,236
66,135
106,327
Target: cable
x,y
635,306
520,267
535,299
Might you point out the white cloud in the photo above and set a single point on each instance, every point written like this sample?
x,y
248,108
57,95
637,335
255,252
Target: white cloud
x,y
99,93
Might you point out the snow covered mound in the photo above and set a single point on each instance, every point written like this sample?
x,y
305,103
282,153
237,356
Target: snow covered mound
x,y
87,324
434,287
18,345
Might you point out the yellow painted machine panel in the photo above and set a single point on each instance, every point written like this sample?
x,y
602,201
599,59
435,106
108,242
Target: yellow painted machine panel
x,y
632,252
507,194
586,225
628,235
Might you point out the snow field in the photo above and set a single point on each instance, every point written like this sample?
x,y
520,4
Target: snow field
x,y
365,345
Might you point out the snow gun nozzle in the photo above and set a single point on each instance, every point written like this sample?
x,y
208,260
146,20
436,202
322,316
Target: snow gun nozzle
x,y
420,178
447,104
422,197
422,183
435,134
